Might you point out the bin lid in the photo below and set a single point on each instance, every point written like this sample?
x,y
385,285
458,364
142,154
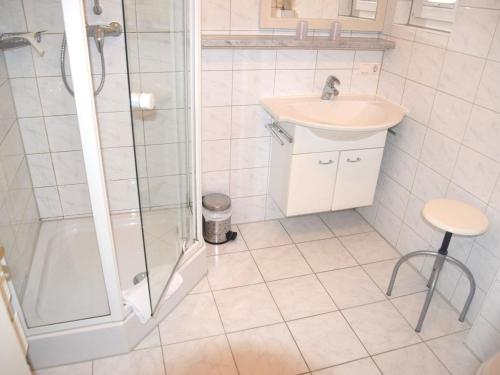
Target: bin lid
x,y
216,202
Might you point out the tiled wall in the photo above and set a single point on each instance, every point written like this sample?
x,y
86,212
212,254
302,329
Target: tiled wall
x,y
155,41
47,113
447,146
19,219
236,144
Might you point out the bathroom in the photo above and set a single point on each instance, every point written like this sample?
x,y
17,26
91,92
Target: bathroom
x,y
347,134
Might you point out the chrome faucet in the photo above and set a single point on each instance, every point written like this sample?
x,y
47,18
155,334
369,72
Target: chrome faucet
x,y
329,89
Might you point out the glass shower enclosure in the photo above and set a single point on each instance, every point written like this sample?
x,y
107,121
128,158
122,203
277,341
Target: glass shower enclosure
x,y
94,192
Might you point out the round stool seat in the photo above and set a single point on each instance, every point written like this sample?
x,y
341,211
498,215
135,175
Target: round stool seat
x,y
455,217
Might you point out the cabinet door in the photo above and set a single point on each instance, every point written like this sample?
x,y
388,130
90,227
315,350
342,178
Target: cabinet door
x,y
357,178
312,180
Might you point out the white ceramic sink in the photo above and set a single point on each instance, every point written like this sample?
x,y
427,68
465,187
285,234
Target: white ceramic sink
x,y
345,113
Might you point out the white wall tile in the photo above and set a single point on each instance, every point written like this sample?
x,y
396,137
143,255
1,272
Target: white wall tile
x,y
215,14
12,17
456,66
50,63
248,209
252,85
253,59
217,59
245,14
122,195
41,170
75,199
391,86
216,123
163,126
249,121
294,82
63,133
215,182
114,96
388,224
47,199
69,167
476,173
439,153
392,195
409,136
55,99
248,182
473,30
450,115
165,159
364,83
488,94
429,184
397,60
483,132
296,59
250,153
425,65
45,15
216,88
400,166
331,59
115,129
119,163
494,53
491,239
418,99
160,52
491,308
483,266
166,87
215,155
34,136
25,92
19,62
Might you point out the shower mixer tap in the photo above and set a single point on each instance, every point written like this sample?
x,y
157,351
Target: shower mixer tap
x,y
99,32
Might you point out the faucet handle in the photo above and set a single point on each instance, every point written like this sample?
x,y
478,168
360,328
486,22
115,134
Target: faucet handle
x,y
332,80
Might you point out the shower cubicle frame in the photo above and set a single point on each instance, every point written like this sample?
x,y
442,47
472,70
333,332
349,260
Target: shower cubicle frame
x,y
117,332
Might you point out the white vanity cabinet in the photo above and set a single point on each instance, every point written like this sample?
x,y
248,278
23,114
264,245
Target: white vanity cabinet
x,y
320,171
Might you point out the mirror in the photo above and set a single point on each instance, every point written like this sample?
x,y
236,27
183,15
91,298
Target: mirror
x,y
362,15
431,14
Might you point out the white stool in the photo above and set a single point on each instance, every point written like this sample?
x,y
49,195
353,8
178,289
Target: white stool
x,y
453,217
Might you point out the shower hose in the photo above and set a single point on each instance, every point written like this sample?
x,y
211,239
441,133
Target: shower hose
x,y
63,69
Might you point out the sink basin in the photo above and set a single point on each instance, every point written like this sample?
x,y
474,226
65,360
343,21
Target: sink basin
x,y
345,113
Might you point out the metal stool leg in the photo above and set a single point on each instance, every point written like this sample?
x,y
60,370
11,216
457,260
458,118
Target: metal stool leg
x,y
403,259
431,277
438,265
472,283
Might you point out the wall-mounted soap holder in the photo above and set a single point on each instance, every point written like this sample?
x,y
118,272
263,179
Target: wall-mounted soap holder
x,y
15,40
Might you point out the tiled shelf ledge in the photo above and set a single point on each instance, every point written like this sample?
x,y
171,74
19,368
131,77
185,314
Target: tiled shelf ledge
x,y
289,42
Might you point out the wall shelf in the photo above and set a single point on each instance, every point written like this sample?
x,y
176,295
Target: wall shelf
x,y
289,42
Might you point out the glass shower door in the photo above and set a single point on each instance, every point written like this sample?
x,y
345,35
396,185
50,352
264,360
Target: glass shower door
x,y
158,64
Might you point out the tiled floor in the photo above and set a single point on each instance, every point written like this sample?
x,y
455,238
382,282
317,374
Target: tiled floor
x,y
300,296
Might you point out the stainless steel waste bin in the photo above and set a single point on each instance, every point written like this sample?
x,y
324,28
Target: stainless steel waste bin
x,y
217,219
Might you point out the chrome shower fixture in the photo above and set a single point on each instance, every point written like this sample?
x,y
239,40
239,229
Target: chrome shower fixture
x,y
99,33
97,9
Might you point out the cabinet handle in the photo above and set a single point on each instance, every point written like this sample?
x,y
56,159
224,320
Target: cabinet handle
x,y
325,162
349,160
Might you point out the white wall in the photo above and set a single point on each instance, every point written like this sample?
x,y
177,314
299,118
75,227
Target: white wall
x,y
236,145
447,146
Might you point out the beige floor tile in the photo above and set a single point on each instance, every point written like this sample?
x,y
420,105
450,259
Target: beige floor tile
x,y
380,327
195,317
300,297
346,222
152,340
412,360
364,366
369,247
264,234
84,368
408,280
280,262
452,351
266,351
326,255
210,356
229,247
441,318
350,287
306,228
326,340
232,270
137,362
246,307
